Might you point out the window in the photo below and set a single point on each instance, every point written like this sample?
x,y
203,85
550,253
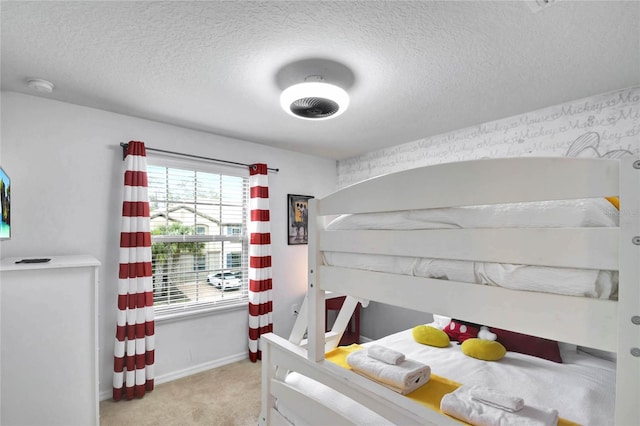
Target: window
x,y
200,263
234,260
234,230
197,262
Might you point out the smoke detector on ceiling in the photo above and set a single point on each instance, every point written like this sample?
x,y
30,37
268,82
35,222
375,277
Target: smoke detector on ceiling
x,y
40,85
315,99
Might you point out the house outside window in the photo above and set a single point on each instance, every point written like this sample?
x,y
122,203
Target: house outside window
x,y
191,211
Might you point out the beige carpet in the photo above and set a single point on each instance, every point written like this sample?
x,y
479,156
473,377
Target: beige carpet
x,y
224,396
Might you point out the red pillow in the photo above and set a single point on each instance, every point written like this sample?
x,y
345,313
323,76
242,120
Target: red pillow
x,y
529,345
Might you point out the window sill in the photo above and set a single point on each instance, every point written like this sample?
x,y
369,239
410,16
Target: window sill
x,y
200,312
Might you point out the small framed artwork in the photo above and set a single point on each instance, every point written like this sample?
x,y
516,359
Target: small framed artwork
x,y
298,223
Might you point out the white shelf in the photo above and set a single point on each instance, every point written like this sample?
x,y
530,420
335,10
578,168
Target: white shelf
x,y
74,261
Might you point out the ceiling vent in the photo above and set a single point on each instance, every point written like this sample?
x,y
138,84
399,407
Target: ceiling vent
x,y
314,99
314,107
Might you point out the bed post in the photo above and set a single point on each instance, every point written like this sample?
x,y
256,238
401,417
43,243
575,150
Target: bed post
x,y
628,360
316,327
268,373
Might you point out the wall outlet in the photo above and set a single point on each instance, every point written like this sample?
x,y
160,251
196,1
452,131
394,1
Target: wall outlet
x,y
294,309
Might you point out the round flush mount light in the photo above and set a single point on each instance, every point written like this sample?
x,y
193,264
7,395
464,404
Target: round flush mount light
x,y
40,85
314,99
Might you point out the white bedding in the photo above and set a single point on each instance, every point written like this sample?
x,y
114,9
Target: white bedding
x,y
589,212
596,212
567,281
582,388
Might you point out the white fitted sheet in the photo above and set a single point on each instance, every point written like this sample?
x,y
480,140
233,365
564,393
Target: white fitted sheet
x,y
588,212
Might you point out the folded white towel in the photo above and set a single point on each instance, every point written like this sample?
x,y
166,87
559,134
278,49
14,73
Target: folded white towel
x,y
403,378
461,405
496,399
384,354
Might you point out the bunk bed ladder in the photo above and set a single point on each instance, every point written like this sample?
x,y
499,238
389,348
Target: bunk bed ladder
x,y
333,336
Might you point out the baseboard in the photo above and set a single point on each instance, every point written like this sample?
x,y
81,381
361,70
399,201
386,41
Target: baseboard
x,y
175,375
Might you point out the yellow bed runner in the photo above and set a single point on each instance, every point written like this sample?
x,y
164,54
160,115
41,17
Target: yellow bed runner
x,y
428,395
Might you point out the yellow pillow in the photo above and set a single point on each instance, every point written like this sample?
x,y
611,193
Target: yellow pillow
x,y
487,350
615,201
431,336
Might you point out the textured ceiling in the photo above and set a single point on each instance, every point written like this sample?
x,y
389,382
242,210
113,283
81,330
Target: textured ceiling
x,y
413,69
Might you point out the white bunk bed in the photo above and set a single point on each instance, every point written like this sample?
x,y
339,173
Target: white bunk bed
x,y
605,324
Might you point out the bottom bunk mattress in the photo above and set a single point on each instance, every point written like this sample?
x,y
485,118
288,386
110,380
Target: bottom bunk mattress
x,y
566,281
581,388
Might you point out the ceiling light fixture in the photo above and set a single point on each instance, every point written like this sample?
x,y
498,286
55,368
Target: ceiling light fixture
x,y
40,85
314,99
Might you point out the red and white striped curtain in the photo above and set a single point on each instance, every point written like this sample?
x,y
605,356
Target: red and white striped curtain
x,y
260,301
134,344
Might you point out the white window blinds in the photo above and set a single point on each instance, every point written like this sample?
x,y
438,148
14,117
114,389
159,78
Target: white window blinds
x,y
199,238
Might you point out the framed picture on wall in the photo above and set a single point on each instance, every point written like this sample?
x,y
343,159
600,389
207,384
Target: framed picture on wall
x,y
298,223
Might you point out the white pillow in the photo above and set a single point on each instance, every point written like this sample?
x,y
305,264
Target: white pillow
x,y
439,321
609,356
566,350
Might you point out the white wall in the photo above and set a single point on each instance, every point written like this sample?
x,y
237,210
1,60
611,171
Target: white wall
x,y
66,168
597,126
600,124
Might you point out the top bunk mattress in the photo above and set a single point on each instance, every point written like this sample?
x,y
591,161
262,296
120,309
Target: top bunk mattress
x,y
588,212
592,212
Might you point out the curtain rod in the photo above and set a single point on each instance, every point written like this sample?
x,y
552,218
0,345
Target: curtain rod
x,y
125,146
